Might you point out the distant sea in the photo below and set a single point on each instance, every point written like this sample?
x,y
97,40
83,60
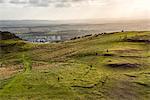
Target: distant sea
x,y
71,29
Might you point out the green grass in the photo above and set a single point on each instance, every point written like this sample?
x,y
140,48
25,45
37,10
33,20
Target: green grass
x,y
80,69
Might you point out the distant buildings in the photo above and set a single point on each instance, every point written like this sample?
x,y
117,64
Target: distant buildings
x,y
46,38
40,37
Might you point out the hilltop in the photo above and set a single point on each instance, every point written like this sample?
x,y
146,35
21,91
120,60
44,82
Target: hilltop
x,y
7,35
108,66
9,42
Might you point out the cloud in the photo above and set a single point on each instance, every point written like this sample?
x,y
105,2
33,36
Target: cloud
x,y
56,3
62,5
39,3
1,1
18,1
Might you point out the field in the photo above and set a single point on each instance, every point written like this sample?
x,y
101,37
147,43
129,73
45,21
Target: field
x,y
111,66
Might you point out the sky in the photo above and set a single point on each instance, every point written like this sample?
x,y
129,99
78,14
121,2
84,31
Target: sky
x,y
73,9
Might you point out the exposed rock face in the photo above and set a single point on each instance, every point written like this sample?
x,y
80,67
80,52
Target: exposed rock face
x,y
7,35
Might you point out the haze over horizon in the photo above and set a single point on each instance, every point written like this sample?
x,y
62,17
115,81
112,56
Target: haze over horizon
x,y
74,9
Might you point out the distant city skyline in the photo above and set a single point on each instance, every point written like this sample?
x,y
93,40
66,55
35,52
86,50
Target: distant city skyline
x,y
73,9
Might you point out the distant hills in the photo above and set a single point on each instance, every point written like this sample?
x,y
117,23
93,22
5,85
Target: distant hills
x,y
26,23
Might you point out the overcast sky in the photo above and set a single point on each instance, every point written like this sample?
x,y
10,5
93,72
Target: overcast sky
x,y
73,9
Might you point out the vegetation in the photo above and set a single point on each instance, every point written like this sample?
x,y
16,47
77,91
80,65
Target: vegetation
x,y
26,63
110,66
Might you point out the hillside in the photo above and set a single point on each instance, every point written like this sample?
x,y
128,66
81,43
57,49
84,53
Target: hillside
x,y
112,66
7,35
10,43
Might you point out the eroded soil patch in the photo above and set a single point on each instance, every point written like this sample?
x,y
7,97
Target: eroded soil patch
x,y
124,65
138,40
127,51
144,39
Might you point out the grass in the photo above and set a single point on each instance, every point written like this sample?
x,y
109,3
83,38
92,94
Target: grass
x,y
79,69
27,64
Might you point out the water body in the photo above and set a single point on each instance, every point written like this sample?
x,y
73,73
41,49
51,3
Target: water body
x,y
56,31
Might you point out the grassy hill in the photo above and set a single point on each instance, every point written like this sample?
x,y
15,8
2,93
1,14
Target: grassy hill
x,y
9,42
112,66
